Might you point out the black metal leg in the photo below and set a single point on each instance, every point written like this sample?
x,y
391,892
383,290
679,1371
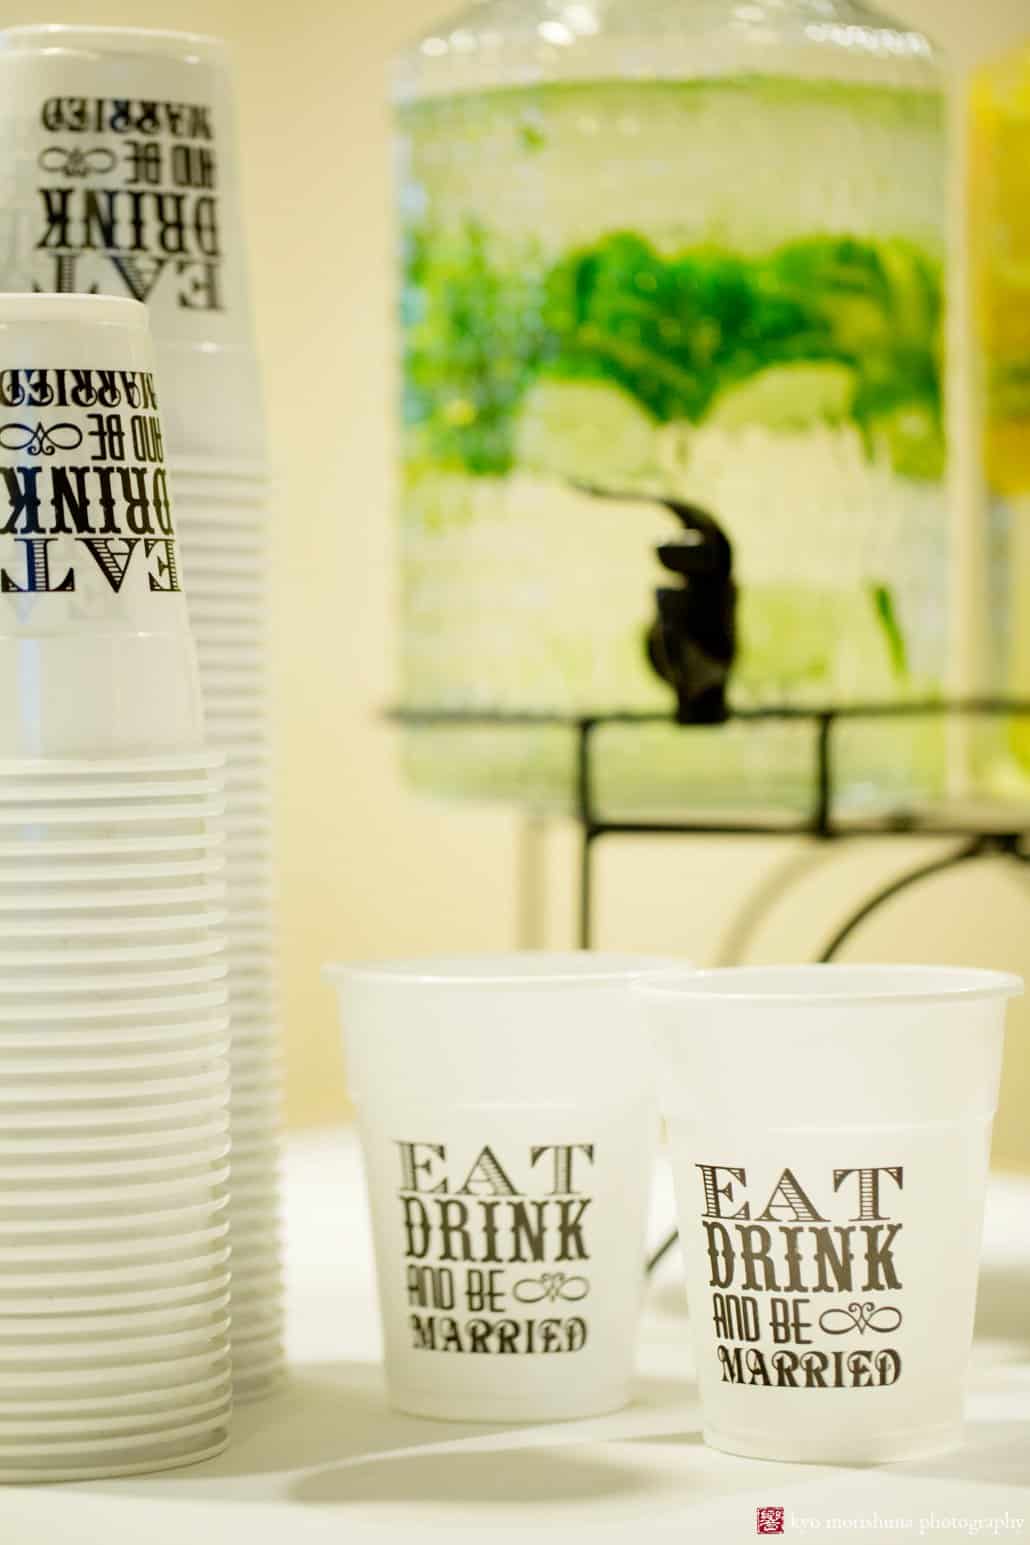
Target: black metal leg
x,y
796,866
587,829
586,890
964,855
658,1256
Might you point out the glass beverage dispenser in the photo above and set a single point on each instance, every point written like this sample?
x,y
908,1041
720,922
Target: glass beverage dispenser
x,y
661,257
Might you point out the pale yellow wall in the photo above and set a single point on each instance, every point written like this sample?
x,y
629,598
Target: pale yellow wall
x,y
366,867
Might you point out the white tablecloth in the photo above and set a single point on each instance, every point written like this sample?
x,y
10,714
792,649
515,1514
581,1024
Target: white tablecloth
x,y
325,1460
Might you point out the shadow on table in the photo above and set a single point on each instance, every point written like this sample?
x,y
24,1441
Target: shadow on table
x,y
328,1436
454,1475
449,1462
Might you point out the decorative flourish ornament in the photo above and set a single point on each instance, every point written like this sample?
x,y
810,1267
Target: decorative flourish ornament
x,y
77,162
552,1286
861,1317
41,439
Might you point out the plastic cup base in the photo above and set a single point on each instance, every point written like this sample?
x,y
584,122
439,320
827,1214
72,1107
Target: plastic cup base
x,y
533,1410
836,1448
103,1472
134,1425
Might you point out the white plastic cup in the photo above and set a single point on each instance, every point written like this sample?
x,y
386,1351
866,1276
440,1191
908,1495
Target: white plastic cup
x,y
830,1131
121,177
508,1120
96,656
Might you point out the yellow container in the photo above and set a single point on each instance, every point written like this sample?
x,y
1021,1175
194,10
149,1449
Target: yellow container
x,y
1000,255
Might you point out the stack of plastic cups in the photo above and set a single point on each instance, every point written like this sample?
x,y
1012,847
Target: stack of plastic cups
x,y
120,176
114,1131
226,567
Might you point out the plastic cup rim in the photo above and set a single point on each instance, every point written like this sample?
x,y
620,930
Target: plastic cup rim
x,y
84,766
822,985
148,40
115,1405
210,1032
123,1303
28,308
56,1182
546,969
34,1475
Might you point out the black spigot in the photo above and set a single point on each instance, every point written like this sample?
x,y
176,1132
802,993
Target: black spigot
x,y
692,641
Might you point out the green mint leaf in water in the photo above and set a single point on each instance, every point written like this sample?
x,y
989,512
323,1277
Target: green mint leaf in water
x,y
886,614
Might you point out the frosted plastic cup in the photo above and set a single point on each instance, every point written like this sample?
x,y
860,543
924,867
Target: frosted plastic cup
x,y
97,1061
507,1115
39,1440
224,544
830,1129
111,1168
213,525
132,1376
187,818
103,1201
170,1456
72,1330
25,1189
142,123
40,1326
76,1381
223,688
48,776
201,1154
111,1234
215,578
26,988
32,786
246,665
224,487
226,611
139,1121
19,957
113,886
166,796
171,1281
52,1345
255,1073
149,1014
43,930
225,507
218,571
186,848
219,680
88,1039
72,859
58,1296
231,649
95,1426
56,773
105,919
52,1080
96,657
132,1404
262,1174
247,632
